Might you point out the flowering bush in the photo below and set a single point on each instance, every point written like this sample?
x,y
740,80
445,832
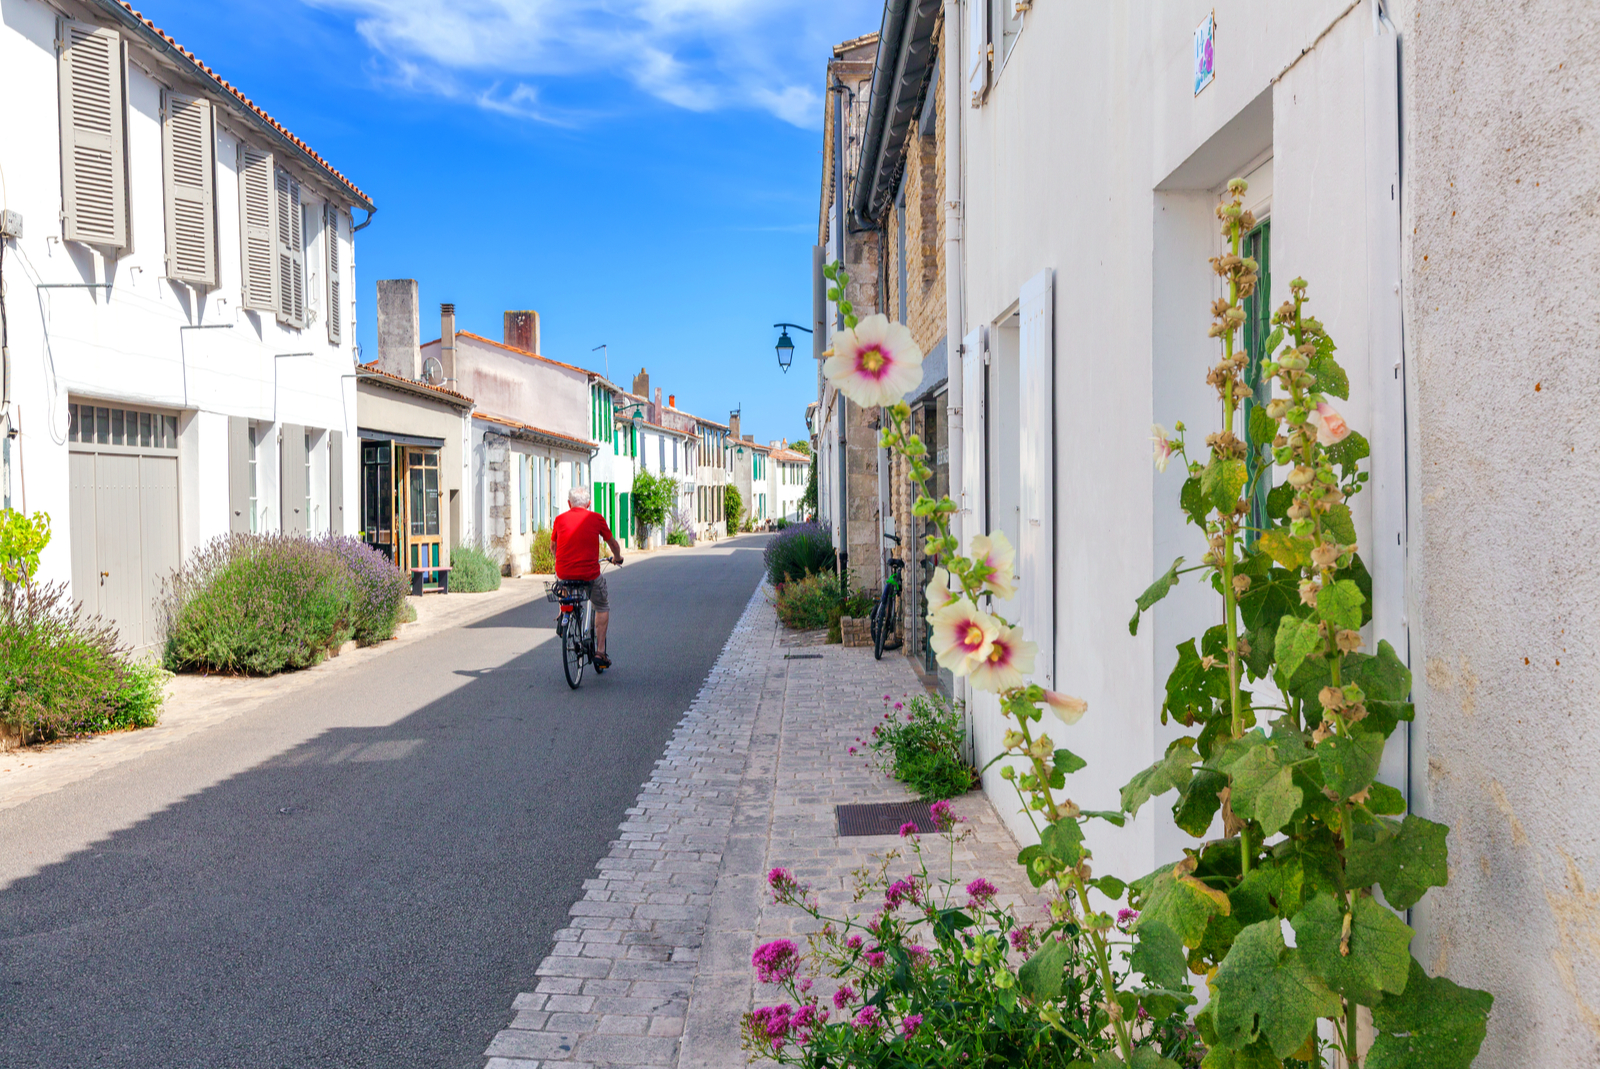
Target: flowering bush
x,y
798,550
63,674
472,571
379,595
918,742
806,603
938,975
543,554
682,529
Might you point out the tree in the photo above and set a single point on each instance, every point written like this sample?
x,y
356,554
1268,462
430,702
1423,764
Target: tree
x,y
653,498
801,447
732,508
808,501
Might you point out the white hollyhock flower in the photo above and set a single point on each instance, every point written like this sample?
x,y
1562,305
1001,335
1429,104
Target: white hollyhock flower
x,y
1009,659
876,363
962,634
998,563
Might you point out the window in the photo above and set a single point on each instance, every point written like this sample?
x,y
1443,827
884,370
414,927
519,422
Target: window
x,y
661,453
1006,23
423,484
330,236
125,427
257,230
94,177
523,501
188,146
311,525
674,454
254,493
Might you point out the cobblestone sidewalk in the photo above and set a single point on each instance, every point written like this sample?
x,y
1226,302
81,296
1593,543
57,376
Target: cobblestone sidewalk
x,y
653,970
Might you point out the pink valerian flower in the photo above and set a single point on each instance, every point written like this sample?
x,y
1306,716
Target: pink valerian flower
x,y
804,1020
919,955
776,961
1164,447
1126,917
1009,659
844,996
899,706
1068,710
869,1017
1331,427
908,828
854,942
996,562
852,749
775,1022
982,892
900,892
910,1024
944,815
1021,938
962,636
876,959
875,363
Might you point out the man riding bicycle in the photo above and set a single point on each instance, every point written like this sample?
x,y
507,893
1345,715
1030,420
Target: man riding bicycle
x,y
575,538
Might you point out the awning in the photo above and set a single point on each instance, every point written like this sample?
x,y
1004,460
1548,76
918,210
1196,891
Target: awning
x,y
400,439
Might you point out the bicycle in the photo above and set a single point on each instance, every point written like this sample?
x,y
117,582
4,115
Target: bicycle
x,y
886,614
574,627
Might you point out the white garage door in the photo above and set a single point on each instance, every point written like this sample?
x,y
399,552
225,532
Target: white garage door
x,y
124,524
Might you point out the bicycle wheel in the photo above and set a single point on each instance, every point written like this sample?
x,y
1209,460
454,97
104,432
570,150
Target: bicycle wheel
x,y
572,656
881,616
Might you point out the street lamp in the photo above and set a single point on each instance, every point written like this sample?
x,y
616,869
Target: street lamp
x,y
785,344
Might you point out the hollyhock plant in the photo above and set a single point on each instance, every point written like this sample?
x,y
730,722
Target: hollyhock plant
x,y
940,593
962,635
994,562
1009,660
1164,446
875,362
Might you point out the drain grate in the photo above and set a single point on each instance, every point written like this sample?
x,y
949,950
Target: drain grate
x,y
802,656
883,818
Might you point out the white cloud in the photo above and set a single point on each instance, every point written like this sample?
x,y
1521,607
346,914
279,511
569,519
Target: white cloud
x,y
702,55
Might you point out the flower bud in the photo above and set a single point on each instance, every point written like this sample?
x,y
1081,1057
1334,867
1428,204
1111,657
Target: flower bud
x,y
1331,698
1349,641
1301,475
1008,773
1327,554
1241,583
1277,407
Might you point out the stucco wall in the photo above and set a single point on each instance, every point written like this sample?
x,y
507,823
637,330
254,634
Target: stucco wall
x,y
1503,311
505,383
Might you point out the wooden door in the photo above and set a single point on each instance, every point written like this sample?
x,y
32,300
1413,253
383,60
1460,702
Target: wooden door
x,y
420,495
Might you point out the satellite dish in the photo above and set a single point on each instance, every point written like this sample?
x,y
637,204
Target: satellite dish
x,y
432,370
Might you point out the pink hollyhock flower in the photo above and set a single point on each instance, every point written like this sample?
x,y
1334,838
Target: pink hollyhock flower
x,y
1068,710
982,891
875,363
944,815
909,1026
1009,659
1163,446
843,997
996,561
869,1017
939,592
776,961
963,635
908,828
1331,427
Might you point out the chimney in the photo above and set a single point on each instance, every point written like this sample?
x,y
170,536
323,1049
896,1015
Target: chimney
x,y
656,412
521,330
749,437
641,384
733,426
447,343
399,328
672,401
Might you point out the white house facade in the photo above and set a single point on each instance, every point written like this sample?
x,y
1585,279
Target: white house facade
x,y
180,313
788,474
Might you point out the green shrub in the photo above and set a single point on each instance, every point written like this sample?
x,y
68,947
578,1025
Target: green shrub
x,y
472,571
62,674
378,595
653,497
919,743
855,606
732,508
780,523
806,603
22,538
797,551
259,604
544,552
679,537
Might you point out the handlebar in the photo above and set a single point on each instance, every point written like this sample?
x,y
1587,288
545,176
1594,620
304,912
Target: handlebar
x,y
893,538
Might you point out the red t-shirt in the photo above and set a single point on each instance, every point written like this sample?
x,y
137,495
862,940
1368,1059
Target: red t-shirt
x,y
575,536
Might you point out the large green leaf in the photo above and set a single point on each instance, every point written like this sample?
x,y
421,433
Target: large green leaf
x,y
1432,1024
1198,802
1262,427
1193,501
1331,378
1383,677
1143,1058
1339,603
1158,954
1222,481
1338,523
1279,498
1291,551
1297,638
1181,903
1264,989
1061,843
1404,858
1350,452
1257,1055
1040,976
1349,762
1173,770
1273,591
1154,593
1264,788
1379,956
1192,688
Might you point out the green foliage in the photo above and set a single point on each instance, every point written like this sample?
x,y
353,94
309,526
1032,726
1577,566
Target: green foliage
x,y
806,604
800,550
1156,591
808,500
679,537
918,742
63,674
732,507
543,553
21,540
653,497
472,571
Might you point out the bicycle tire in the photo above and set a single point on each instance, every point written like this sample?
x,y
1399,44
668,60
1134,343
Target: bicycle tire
x,y
572,657
881,614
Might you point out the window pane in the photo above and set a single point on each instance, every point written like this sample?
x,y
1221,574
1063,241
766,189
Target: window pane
x,y
432,475
418,503
116,426
172,431
144,429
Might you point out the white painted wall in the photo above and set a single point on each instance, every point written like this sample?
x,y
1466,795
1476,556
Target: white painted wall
x,y
127,346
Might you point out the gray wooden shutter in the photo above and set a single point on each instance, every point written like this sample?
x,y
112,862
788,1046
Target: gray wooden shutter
x,y
94,180
1036,541
257,227
290,252
336,483
292,479
330,237
238,475
974,509
188,148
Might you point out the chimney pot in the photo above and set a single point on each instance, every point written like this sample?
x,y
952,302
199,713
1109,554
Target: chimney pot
x,y
672,400
520,330
641,384
399,328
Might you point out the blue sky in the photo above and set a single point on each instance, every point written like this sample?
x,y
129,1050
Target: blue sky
x,y
644,173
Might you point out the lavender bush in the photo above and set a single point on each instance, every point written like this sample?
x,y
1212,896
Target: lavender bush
x,y
799,550
681,529
380,590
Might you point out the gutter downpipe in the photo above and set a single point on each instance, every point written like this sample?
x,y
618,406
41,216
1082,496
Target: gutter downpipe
x,y
950,58
838,90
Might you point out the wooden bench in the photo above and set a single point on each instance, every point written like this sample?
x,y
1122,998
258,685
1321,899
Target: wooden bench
x,y
418,573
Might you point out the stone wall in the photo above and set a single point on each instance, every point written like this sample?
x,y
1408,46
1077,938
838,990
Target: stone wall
x,y
497,499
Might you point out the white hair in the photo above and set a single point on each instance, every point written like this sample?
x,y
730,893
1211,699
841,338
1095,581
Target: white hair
x,y
578,497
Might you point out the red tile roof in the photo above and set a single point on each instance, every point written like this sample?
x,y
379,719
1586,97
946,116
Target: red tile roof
x,y
511,349
124,11
373,371
790,456
515,425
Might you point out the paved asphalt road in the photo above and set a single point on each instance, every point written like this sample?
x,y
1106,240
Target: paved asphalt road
x,y
361,874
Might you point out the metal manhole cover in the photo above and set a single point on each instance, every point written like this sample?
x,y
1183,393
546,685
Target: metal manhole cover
x,y
883,818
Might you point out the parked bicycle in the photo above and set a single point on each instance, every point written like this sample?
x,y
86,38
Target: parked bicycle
x,y
886,614
574,628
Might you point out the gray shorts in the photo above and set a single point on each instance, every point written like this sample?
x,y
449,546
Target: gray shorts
x,y
598,596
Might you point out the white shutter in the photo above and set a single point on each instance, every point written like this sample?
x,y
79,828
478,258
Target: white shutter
x,y
257,230
977,48
290,252
973,520
188,148
1035,554
330,237
94,180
